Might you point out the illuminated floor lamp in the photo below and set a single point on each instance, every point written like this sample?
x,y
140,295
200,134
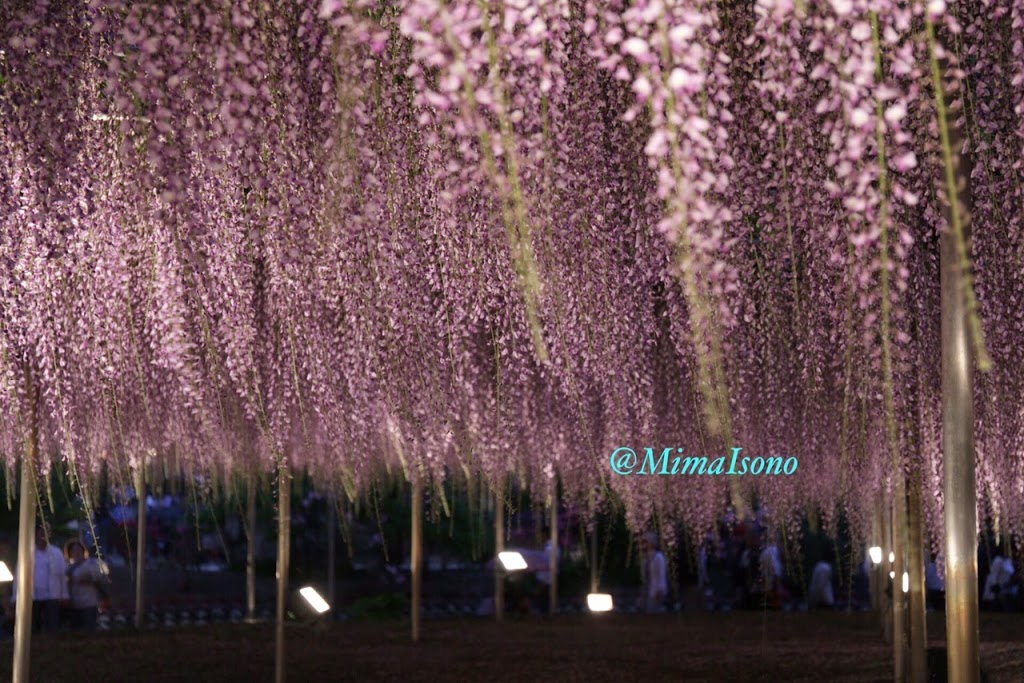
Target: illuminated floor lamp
x,y
317,607
512,561
875,556
599,602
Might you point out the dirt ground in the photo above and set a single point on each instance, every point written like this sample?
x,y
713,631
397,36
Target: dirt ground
x,y
752,646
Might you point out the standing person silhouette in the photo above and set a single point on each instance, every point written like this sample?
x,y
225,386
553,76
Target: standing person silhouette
x,y
772,573
49,586
85,586
543,575
820,594
655,574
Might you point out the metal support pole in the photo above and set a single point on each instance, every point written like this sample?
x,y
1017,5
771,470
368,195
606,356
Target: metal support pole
x,y
899,598
889,585
499,546
553,558
331,552
917,607
26,561
416,558
284,528
140,546
250,555
961,515
960,495
874,573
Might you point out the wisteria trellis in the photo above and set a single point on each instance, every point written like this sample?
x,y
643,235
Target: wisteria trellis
x,y
494,237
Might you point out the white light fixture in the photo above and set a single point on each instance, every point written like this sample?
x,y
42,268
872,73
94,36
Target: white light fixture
x,y
5,573
906,582
314,599
892,575
876,554
512,561
892,557
599,602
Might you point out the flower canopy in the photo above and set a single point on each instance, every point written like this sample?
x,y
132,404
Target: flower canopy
x,y
471,237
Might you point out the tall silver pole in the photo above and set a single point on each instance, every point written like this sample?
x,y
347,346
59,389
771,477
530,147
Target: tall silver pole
x,y
887,567
140,545
874,575
331,551
553,558
915,555
499,546
899,598
26,558
416,556
284,528
593,557
961,514
250,555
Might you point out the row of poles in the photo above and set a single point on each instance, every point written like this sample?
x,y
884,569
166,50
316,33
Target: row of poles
x,y
896,529
26,559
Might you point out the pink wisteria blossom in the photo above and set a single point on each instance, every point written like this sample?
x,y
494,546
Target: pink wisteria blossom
x,y
471,239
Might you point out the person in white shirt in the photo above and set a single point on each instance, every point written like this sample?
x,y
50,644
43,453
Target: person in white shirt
x,y
998,586
49,585
655,577
820,594
771,567
85,585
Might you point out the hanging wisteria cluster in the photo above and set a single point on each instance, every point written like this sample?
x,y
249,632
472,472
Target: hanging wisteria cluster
x,y
475,239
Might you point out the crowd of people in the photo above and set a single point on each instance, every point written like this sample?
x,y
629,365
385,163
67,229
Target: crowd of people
x,y
741,566
71,582
116,518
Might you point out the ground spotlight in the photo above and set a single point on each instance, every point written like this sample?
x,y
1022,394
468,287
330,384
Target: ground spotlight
x,y
906,582
512,561
876,554
5,573
599,602
314,599
892,557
